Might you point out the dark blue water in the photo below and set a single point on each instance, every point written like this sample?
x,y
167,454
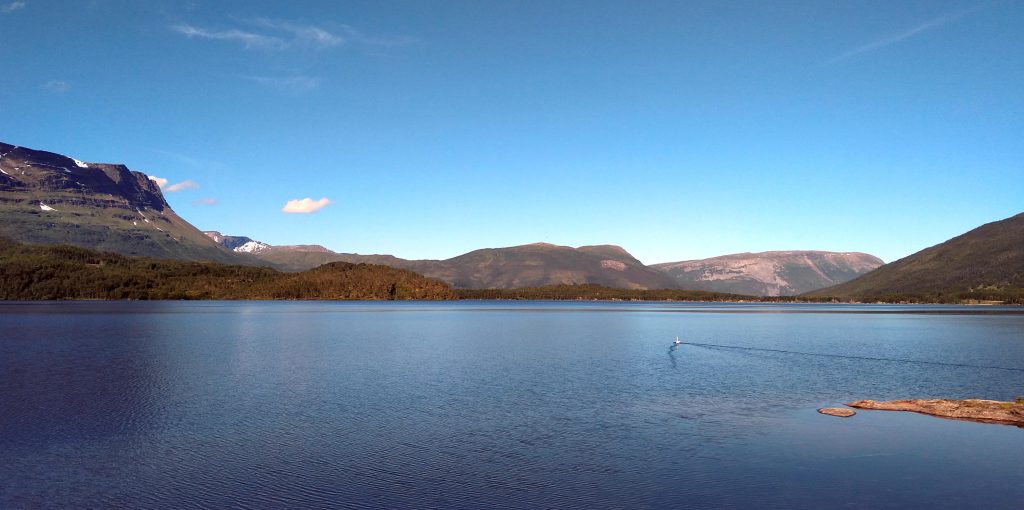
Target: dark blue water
x,y
501,405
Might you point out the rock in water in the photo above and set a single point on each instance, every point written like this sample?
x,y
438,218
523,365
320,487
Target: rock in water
x,y
841,412
987,411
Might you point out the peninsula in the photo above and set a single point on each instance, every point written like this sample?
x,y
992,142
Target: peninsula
x,y
987,411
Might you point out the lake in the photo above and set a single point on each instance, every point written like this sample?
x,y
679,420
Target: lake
x,y
501,405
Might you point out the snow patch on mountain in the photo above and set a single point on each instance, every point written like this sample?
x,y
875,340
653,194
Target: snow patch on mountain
x,y
45,207
252,247
80,163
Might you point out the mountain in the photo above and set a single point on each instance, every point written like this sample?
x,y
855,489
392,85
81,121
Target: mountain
x,y
532,265
286,258
70,272
985,263
47,198
541,264
773,273
236,244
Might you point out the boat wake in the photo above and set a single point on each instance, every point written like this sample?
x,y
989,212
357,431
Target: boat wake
x,y
868,358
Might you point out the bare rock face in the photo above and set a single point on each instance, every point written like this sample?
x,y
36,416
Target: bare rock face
x,y
987,411
841,412
774,273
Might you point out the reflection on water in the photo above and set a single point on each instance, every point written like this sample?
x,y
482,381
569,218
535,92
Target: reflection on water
x,y
518,405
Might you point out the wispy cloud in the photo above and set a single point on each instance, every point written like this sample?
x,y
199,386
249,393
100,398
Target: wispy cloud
x,y
205,201
916,30
294,84
173,188
56,86
11,7
301,35
305,206
248,39
272,34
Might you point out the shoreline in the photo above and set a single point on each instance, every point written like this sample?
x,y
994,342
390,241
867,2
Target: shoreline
x,y
933,308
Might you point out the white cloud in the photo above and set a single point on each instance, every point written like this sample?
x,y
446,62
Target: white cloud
x,y
173,188
11,7
205,201
57,86
902,36
181,186
288,83
305,206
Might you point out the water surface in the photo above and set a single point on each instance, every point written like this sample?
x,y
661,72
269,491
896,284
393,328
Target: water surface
x,y
501,405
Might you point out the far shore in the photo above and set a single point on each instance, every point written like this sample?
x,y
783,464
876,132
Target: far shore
x,y
1016,308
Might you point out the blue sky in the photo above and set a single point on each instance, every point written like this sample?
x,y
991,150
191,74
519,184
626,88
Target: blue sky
x,y
678,130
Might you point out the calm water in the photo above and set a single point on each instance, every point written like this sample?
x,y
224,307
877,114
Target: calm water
x,y
500,405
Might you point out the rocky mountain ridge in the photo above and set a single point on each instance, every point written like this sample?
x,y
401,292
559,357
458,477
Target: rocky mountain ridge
x,y
47,198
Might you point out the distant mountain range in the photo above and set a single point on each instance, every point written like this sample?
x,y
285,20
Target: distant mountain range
x,y
540,264
531,265
773,273
985,263
47,198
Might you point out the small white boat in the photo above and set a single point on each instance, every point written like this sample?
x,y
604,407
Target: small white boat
x,y
677,342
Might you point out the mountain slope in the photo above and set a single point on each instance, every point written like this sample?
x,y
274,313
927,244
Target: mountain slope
x,y
773,273
531,265
541,264
986,260
48,198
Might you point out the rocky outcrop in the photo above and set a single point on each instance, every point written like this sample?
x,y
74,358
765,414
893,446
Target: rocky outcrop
x,y
841,412
987,411
772,273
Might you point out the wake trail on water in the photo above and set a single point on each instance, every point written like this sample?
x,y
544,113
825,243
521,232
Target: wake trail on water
x,y
869,358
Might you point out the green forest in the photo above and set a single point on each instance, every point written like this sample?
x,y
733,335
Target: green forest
x,y
591,292
31,272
